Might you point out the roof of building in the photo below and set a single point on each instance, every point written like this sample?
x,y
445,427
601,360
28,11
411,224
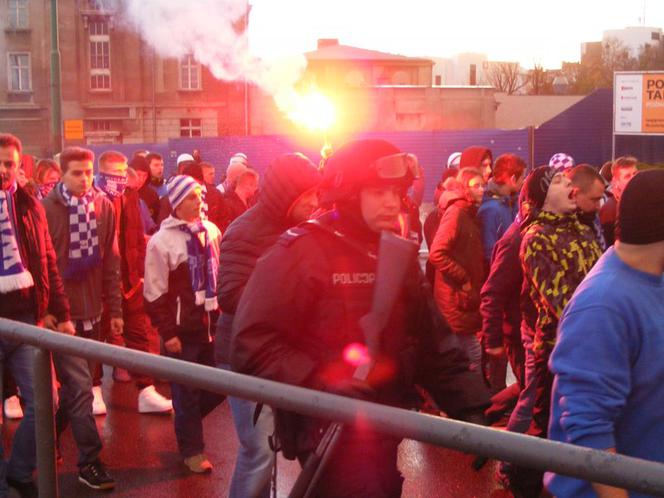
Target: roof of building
x,y
345,52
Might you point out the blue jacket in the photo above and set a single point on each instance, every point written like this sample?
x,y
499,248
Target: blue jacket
x,y
609,383
496,214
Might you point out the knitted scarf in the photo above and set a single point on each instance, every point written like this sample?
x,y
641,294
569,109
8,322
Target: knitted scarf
x,y
204,205
202,266
84,252
13,274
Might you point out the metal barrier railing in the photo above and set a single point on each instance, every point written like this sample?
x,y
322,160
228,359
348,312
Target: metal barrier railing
x,y
592,465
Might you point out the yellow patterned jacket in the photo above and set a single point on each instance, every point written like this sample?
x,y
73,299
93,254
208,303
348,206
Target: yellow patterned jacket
x,y
557,251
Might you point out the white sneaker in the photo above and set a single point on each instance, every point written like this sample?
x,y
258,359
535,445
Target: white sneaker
x,y
13,408
150,401
98,405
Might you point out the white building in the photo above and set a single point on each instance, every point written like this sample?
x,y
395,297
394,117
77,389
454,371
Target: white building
x,y
460,70
635,37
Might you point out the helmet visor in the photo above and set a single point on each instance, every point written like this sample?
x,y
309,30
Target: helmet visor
x,y
396,166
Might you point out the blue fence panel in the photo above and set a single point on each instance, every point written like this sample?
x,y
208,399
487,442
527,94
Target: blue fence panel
x,y
432,148
584,131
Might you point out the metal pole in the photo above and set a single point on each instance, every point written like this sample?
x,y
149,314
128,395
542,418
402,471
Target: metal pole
x,y
56,92
531,146
47,479
154,95
575,461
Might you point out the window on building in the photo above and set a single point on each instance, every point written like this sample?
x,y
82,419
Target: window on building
x,y
100,4
190,128
654,35
100,55
190,73
439,80
100,125
18,14
472,77
19,72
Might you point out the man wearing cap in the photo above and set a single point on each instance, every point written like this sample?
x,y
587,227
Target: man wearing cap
x,y
561,161
556,252
301,309
609,374
181,299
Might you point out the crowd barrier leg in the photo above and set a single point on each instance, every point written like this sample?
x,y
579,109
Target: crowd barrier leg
x,y
47,479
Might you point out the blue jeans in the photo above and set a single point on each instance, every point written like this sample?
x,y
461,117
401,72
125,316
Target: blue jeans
x,y
190,404
19,358
75,407
255,458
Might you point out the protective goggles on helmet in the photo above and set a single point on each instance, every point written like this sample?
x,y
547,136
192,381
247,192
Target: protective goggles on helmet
x,y
396,166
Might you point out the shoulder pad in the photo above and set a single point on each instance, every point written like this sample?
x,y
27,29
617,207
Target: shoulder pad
x,y
293,234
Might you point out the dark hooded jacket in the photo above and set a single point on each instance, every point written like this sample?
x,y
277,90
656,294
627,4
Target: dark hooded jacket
x,y
456,254
472,157
256,230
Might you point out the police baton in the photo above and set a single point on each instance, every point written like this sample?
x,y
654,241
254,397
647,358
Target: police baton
x,y
396,256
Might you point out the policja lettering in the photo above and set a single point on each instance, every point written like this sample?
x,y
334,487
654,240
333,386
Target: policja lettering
x,y
353,278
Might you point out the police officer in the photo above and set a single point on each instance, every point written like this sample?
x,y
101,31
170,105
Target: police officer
x,y
301,309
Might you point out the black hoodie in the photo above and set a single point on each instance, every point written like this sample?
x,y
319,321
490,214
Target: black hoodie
x,y
255,231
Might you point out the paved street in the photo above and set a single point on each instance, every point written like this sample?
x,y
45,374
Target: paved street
x,y
141,453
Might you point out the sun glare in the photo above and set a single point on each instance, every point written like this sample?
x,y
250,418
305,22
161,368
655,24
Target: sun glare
x,y
313,110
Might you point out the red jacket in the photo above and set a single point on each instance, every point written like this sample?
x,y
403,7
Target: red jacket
x,y
39,256
456,254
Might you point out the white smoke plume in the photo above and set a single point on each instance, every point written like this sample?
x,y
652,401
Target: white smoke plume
x,y
210,31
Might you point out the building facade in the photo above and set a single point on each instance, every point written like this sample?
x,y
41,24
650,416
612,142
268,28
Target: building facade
x,y
115,88
376,91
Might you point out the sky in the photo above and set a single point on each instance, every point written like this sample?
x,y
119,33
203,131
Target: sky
x,y
528,31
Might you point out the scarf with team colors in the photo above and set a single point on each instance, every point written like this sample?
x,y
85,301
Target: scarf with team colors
x,y
202,265
84,252
13,274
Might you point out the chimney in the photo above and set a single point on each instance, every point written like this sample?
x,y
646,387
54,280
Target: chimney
x,y
327,42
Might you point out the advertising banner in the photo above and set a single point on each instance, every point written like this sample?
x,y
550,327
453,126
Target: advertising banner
x,y
638,107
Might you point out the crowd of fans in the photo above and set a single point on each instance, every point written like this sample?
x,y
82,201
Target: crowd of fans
x,y
108,248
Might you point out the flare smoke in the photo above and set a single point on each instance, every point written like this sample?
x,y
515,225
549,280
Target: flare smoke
x,y
210,30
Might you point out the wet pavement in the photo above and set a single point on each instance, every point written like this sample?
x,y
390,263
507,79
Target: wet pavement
x,y
141,454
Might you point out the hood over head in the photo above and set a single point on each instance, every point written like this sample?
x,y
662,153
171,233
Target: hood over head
x,y
472,157
285,180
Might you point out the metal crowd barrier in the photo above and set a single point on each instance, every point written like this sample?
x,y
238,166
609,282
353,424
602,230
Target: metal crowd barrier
x,y
583,463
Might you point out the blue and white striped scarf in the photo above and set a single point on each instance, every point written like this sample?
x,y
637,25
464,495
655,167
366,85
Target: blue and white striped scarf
x,y
84,252
202,266
13,273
